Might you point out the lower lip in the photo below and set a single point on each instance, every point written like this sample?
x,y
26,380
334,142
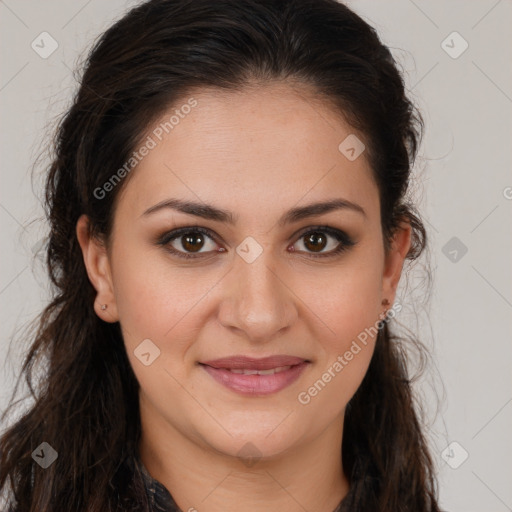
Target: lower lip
x,y
256,384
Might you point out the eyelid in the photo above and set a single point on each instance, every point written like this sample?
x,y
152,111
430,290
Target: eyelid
x,y
345,240
174,234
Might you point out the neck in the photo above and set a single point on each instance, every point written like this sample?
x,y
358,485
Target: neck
x,y
308,476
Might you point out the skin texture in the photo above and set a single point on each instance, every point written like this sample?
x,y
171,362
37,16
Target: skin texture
x,y
256,153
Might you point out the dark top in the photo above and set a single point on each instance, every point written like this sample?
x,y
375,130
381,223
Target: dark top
x,y
160,499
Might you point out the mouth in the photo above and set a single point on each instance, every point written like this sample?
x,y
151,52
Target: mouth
x,y
256,377
270,371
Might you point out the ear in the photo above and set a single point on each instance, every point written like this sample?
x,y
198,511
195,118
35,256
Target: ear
x,y
394,260
98,269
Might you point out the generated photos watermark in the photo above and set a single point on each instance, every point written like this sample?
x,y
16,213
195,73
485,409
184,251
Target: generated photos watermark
x,y
150,143
304,397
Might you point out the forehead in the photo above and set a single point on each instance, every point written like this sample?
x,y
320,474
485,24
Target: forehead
x,y
262,146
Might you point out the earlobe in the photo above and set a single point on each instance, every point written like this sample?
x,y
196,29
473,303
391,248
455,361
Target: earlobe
x,y
395,258
97,264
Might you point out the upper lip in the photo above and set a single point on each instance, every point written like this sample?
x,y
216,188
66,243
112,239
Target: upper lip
x,y
249,363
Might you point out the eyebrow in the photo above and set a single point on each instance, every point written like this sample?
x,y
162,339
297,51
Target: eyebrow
x,y
211,212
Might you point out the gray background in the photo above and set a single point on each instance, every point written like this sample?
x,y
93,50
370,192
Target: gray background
x,y
462,183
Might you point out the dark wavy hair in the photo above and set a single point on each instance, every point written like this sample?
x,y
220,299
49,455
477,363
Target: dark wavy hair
x,y
86,394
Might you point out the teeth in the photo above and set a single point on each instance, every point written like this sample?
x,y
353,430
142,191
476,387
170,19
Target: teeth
x,y
271,371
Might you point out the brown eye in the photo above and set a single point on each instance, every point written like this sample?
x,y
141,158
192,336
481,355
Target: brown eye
x,y
315,241
192,242
324,242
188,242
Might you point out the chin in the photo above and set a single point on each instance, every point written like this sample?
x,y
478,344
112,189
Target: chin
x,y
254,444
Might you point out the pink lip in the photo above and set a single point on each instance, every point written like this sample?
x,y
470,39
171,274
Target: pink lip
x,y
255,384
249,363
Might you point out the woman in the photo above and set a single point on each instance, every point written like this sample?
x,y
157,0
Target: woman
x,y
229,224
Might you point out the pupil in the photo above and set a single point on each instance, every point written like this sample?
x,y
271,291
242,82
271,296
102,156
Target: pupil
x,y
315,241
313,238
188,241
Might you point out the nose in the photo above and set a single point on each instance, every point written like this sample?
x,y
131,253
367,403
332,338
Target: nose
x,y
258,303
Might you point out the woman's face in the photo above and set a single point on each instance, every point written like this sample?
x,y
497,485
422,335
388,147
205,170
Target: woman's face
x,y
264,278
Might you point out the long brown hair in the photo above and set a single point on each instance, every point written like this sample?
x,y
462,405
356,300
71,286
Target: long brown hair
x,y
86,394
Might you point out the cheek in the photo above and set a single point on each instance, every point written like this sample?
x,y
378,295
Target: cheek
x,y
344,352
159,301
345,300
347,306
162,304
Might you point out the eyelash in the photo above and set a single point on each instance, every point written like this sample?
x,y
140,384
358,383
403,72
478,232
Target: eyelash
x,y
345,241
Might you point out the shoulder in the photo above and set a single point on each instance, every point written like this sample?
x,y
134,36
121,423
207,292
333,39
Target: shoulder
x,y
159,499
